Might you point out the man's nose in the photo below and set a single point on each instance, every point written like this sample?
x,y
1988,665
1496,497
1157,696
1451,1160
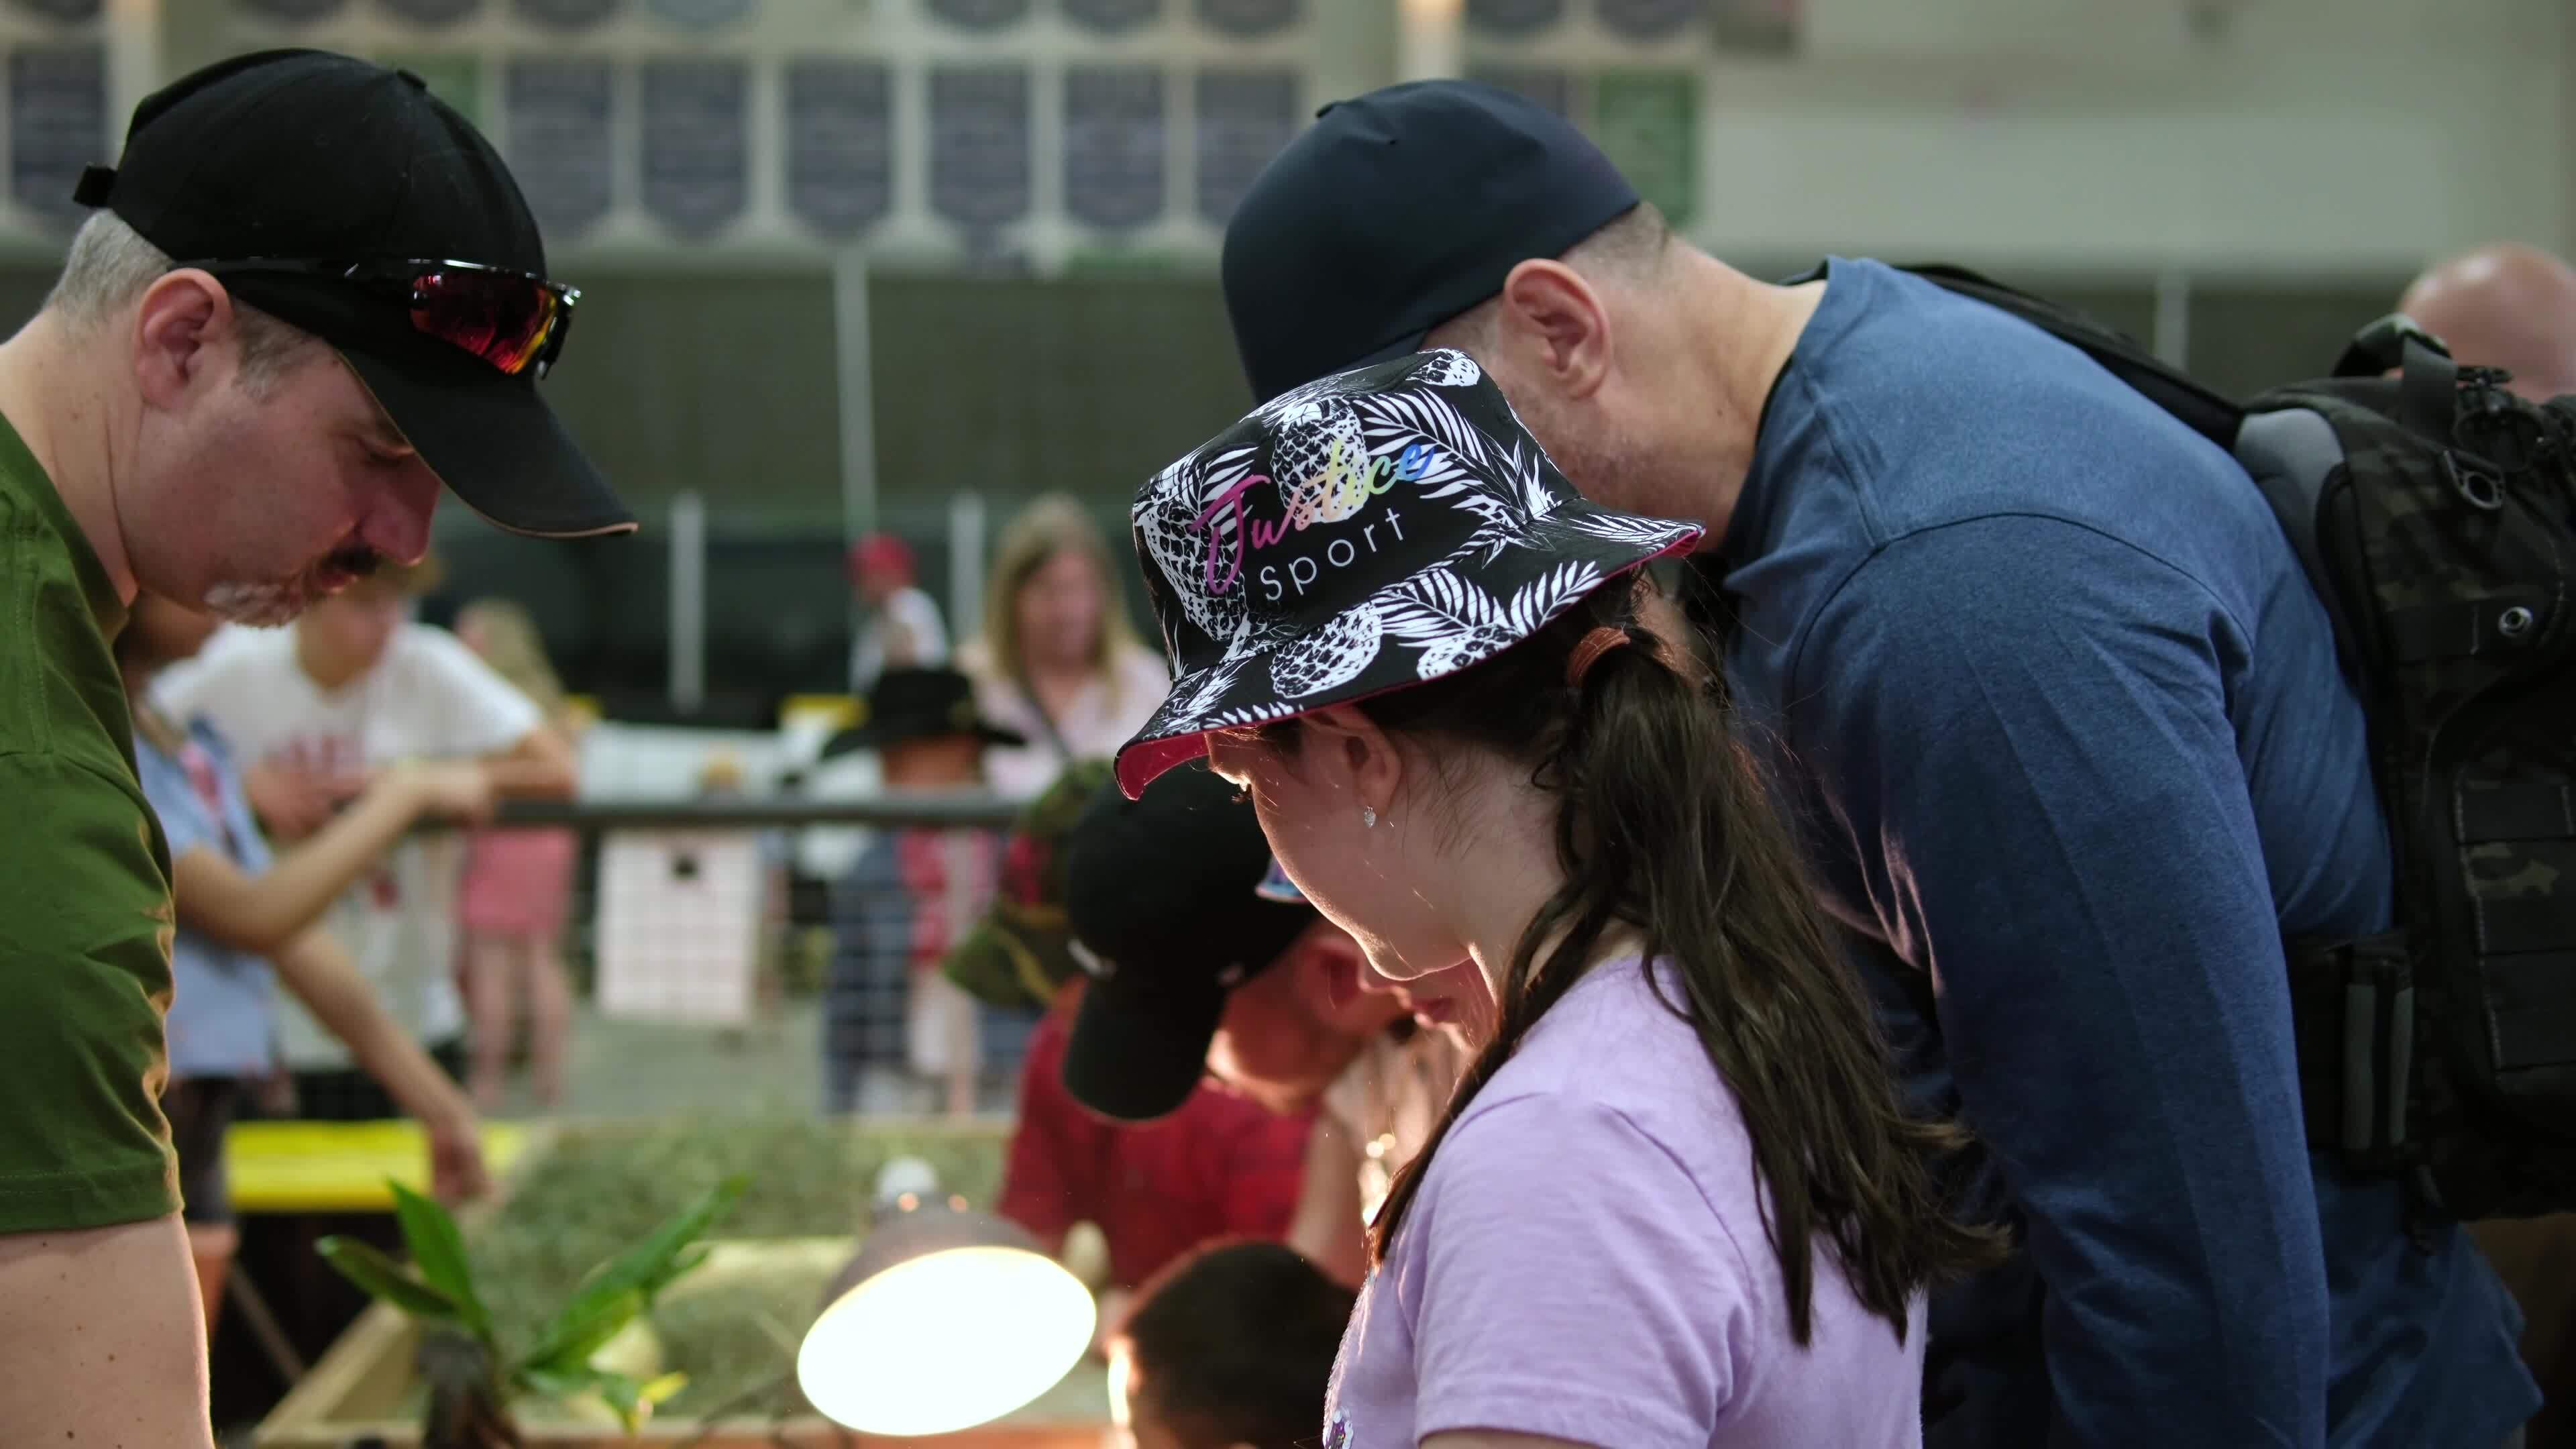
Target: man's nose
x,y
397,526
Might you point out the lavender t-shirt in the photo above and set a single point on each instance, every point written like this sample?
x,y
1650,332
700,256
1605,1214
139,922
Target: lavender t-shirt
x,y
1586,1261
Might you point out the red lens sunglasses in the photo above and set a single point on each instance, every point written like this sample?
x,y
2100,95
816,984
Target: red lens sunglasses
x,y
516,321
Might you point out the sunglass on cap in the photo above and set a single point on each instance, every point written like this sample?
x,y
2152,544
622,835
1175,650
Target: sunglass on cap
x,y
516,321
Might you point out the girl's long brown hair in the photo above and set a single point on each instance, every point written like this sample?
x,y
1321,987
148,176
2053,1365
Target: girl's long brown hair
x,y
1665,829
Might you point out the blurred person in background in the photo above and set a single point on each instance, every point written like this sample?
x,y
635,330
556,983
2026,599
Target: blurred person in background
x,y
2514,307
205,409
1218,1165
240,909
2508,306
911,894
2059,715
356,687
1203,967
899,626
516,891
1020,955
1057,660
1229,1348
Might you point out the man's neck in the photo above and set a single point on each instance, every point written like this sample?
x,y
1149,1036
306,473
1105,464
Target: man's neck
x,y
54,402
1741,334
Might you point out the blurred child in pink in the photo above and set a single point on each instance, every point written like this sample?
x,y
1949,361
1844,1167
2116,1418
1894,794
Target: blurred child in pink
x,y
516,891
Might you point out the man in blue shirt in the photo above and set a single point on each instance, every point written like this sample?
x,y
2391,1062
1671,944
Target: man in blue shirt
x,y
2062,719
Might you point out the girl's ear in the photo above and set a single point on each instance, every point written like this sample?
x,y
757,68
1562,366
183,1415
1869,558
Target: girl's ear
x,y
1352,752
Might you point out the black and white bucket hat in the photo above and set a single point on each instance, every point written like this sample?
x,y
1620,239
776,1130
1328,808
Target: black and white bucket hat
x,y
1374,529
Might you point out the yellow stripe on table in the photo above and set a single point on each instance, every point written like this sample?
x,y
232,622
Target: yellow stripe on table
x,y
821,711
309,1167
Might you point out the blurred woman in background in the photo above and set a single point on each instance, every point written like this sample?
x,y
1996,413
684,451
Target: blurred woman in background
x,y
1057,660
517,889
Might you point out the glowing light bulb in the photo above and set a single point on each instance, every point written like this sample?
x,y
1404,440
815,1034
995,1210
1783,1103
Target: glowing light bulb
x,y
946,1341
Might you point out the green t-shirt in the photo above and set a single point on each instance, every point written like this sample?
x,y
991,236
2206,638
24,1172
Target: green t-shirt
x,y
85,914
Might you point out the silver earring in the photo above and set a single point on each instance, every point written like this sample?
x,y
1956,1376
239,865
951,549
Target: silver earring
x,y
1368,818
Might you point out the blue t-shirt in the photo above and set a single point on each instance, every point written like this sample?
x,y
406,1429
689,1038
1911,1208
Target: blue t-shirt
x,y
221,1018
2065,728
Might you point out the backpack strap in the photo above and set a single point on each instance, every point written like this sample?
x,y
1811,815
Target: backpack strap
x,y
2208,413
2291,452
2429,382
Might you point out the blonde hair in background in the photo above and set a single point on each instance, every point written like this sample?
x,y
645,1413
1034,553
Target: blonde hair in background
x,y
505,634
1051,524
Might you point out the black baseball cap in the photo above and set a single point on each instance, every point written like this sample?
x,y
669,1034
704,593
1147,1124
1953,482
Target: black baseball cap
x,y
1164,896
1395,212
293,174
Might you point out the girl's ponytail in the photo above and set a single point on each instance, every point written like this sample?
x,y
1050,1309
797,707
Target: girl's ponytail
x,y
1665,829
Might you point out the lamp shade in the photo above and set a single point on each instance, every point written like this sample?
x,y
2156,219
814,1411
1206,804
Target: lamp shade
x,y
946,1318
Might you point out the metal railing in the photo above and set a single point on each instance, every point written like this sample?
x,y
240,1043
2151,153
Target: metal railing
x,y
925,808
738,952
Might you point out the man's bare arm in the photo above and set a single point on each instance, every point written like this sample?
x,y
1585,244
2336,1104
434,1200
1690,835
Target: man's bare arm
x,y
103,1339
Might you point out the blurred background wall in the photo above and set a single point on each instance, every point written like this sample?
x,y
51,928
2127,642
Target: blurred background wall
x,y
905,263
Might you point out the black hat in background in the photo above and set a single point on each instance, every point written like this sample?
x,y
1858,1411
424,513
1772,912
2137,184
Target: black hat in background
x,y
1164,897
307,157
1395,212
919,704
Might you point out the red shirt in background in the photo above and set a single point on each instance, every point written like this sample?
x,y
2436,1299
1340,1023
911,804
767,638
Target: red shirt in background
x,y
1219,1167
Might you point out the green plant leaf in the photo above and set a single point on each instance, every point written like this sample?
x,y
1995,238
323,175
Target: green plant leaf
x,y
563,1388
438,1251
643,1270
569,1341
382,1277
629,1400
660,1259
660,1391
625,1396
556,1385
687,1263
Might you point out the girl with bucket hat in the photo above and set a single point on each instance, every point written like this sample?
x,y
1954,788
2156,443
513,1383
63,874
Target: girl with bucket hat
x,y
1674,1199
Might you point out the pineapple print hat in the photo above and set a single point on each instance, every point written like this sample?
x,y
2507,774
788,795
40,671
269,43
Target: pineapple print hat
x,y
1374,529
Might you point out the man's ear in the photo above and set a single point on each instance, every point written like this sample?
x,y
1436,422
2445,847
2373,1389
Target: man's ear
x,y
183,332
1556,326
1355,755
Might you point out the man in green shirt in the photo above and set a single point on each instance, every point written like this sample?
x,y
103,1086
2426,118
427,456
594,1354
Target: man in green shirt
x,y
312,293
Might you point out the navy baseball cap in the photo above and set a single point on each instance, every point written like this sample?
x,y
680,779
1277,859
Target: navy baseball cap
x,y
343,198
1395,212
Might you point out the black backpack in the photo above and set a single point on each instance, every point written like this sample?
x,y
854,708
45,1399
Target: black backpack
x,y
2436,514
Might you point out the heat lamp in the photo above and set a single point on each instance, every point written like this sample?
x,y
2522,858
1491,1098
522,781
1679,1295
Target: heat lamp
x,y
946,1317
